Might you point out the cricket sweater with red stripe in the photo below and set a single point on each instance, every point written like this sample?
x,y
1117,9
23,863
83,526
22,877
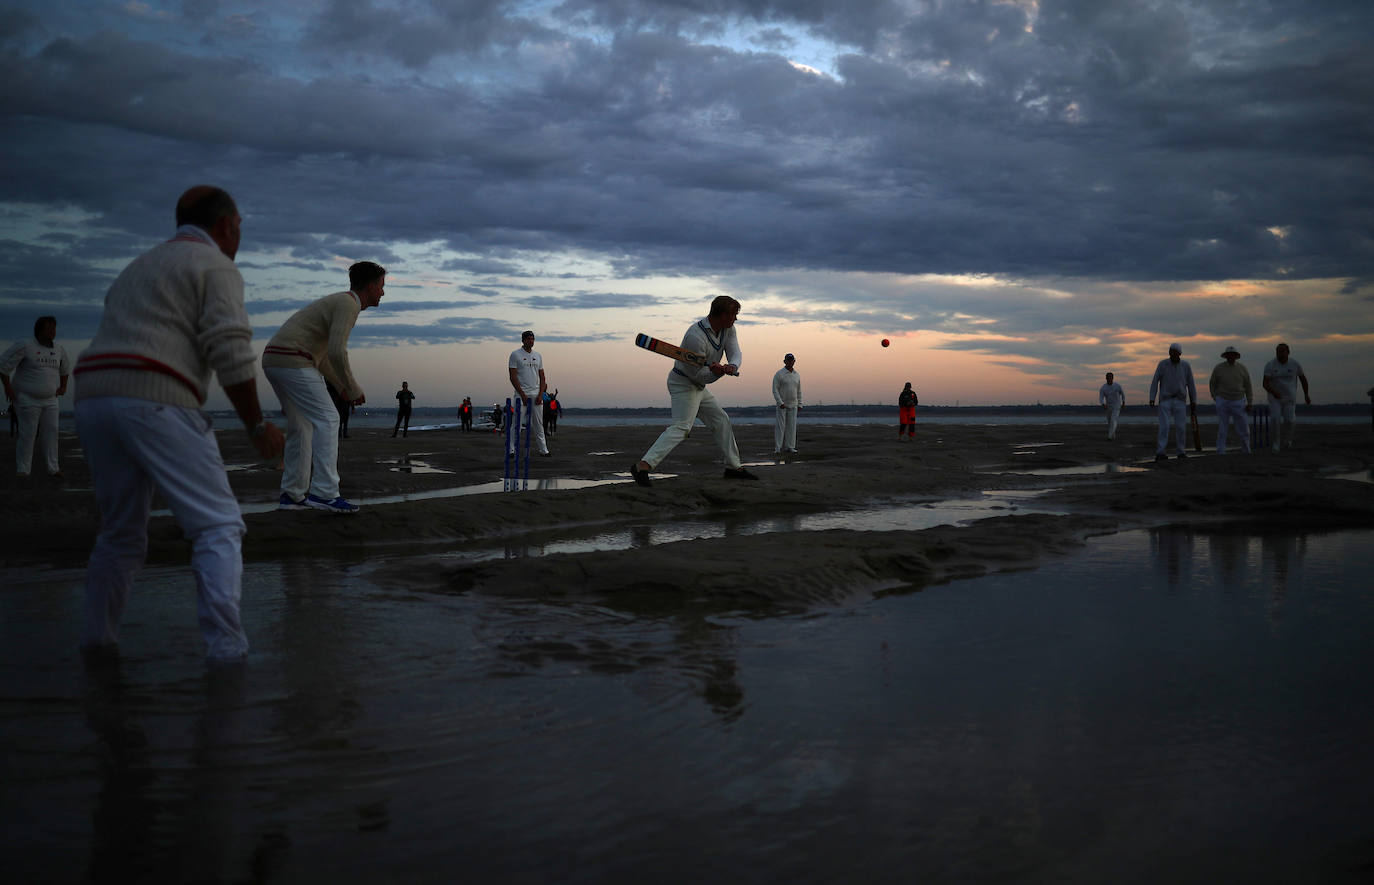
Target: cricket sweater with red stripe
x,y
317,335
173,319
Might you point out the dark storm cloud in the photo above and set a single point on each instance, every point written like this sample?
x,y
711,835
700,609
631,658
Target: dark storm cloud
x,y
447,330
1112,139
416,34
33,270
482,266
592,301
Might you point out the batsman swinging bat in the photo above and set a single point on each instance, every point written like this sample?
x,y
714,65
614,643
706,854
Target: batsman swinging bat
x,y
669,350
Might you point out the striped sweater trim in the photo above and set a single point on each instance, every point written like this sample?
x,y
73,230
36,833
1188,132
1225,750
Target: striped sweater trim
x,y
100,361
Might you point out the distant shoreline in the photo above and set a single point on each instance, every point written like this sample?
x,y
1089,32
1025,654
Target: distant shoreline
x,y
877,411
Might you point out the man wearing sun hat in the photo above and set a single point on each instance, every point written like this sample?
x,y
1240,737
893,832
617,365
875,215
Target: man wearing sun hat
x,y
1173,381
1233,395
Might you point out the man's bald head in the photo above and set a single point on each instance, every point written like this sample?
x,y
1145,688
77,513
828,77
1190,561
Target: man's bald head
x,y
212,210
204,205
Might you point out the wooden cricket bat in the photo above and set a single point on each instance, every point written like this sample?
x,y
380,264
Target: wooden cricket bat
x,y
1197,435
669,350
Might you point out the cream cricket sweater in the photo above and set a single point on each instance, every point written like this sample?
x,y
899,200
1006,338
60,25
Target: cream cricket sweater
x,y
174,316
1231,382
317,335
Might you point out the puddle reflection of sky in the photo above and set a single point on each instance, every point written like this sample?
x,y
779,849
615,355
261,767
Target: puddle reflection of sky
x,y
903,517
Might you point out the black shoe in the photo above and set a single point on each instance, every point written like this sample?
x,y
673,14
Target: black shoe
x,y
1182,457
738,473
546,454
1160,456
641,476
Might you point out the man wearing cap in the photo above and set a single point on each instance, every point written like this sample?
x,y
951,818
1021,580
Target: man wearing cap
x,y
1231,391
1112,398
787,396
1173,381
1280,373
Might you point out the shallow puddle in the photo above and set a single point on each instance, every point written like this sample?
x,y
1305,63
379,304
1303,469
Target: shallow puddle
x,y
411,465
901,517
1080,470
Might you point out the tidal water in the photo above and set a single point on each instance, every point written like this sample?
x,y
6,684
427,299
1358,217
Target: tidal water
x,y
1170,705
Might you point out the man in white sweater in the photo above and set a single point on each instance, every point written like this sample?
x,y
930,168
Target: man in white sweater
x,y
1281,377
173,317
1173,381
1112,397
787,397
40,367
308,348
714,337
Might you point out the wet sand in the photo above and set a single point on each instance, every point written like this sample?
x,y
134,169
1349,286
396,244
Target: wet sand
x,y
839,468
429,698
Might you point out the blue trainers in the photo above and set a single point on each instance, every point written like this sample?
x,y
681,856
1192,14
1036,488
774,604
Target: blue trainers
x,y
338,505
285,503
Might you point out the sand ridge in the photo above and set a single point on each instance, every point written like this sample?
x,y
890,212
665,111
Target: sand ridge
x,y
838,468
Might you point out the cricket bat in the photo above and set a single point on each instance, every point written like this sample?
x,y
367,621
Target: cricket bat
x,y
669,350
1197,435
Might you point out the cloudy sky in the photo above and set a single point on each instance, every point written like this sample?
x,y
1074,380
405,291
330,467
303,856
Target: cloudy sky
x,y
1020,194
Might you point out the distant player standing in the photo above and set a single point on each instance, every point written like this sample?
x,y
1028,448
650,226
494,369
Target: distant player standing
x,y
1112,397
1230,387
906,412
404,397
526,369
1173,381
787,397
1281,377
714,337
40,367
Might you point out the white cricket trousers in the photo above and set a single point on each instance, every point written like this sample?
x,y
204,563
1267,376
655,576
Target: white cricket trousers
x,y
532,419
1172,412
1283,418
136,446
690,402
37,420
1232,411
311,460
1113,414
785,428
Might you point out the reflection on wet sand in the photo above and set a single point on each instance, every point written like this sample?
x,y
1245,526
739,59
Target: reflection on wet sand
x,y
397,728
1240,559
122,845
143,804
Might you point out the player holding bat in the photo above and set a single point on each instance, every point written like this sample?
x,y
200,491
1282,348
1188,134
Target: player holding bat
x,y
714,337
1173,381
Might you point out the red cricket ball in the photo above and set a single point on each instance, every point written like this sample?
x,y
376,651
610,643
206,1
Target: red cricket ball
x,y
886,342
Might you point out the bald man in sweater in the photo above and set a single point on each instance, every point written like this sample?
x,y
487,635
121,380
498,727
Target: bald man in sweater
x,y
174,317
